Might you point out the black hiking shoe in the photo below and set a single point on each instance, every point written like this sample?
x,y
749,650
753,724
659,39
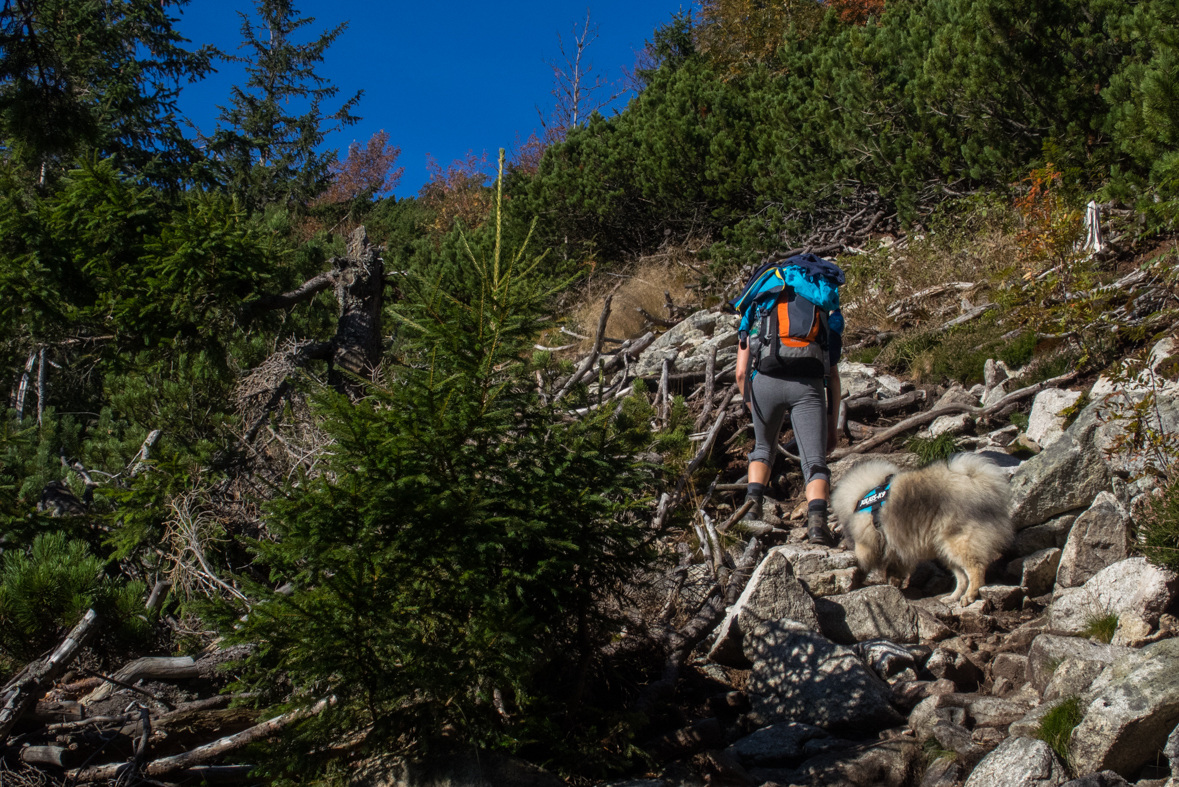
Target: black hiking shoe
x,y
754,512
817,531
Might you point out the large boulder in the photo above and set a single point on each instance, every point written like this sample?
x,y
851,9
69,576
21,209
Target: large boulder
x,y
452,765
1046,424
1019,762
892,763
772,593
857,379
689,343
803,677
1100,537
776,746
1073,678
1053,533
1135,706
1109,419
823,572
877,612
1038,571
1066,475
1050,651
1129,587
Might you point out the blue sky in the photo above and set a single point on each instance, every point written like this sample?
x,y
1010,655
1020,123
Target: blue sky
x,y
441,78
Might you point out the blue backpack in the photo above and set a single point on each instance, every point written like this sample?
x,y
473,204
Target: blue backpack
x,y
794,304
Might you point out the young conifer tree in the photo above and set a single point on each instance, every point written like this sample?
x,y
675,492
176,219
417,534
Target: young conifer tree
x,y
455,550
268,151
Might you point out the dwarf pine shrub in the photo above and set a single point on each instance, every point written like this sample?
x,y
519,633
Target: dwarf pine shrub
x,y
47,588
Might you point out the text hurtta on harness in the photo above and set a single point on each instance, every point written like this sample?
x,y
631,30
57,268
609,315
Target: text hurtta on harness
x,y
791,305
874,501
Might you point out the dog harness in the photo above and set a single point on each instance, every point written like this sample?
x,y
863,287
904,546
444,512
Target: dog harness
x,y
874,501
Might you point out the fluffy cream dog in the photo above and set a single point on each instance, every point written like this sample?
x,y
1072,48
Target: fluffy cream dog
x,y
955,511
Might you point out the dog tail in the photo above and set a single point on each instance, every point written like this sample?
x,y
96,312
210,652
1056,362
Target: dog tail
x,y
981,470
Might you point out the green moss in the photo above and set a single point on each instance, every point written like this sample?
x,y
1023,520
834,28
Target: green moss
x,y
1020,419
1101,628
1056,728
933,752
1071,412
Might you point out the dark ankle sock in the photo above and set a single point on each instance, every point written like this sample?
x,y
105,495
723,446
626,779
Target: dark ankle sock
x,y
755,490
817,505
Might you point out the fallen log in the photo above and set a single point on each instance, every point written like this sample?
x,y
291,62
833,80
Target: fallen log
x,y
149,668
24,696
967,317
681,379
709,387
949,409
629,350
54,756
866,405
199,756
186,729
61,711
651,318
895,309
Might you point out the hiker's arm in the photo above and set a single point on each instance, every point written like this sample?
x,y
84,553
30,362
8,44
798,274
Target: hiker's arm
x,y
742,367
833,395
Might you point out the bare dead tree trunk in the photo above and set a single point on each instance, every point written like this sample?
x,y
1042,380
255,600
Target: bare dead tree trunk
x,y
360,290
22,387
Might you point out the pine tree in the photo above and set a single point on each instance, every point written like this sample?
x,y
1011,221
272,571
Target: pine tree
x,y
102,75
268,154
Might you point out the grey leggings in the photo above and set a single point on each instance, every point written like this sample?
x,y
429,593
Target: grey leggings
x,y
805,399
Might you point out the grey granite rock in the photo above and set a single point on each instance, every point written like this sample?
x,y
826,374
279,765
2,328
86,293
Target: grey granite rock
x,y
772,593
778,745
1053,533
1128,587
877,612
1135,707
893,763
1066,475
822,571
803,677
1039,571
1100,537
688,344
1019,762
1049,651
1045,424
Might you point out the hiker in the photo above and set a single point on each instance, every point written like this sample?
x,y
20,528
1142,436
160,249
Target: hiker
x,y
790,342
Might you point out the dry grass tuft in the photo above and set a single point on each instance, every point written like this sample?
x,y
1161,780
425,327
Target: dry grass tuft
x,y
643,287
